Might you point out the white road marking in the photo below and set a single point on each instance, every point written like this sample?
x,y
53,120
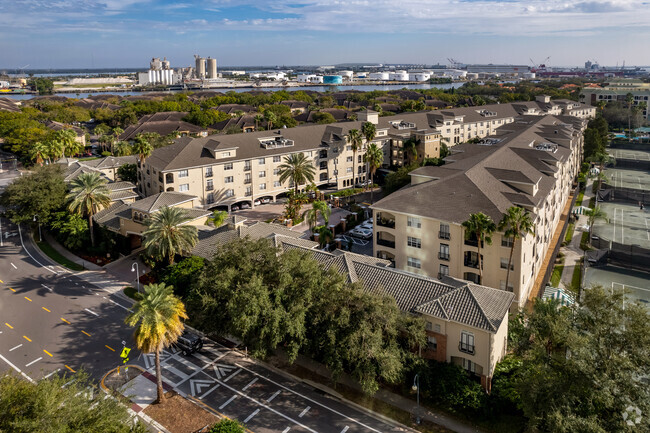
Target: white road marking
x,y
250,384
345,429
17,369
91,312
227,402
304,412
286,430
30,254
34,361
232,375
50,374
13,266
120,305
209,363
270,399
255,412
311,400
48,288
209,391
14,348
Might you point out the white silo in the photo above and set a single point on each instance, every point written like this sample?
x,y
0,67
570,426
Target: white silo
x,y
200,66
212,68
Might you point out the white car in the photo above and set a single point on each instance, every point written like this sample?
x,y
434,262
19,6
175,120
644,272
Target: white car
x,y
367,224
361,233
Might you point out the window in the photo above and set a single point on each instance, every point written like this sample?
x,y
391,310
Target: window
x,y
208,172
507,242
359,159
276,171
444,231
276,184
183,173
469,365
429,326
466,342
504,264
348,170
323,165
348,148
432,343
414,222
436,328
510,286
414,263
349,159
277,159
262,186
228,179
225,154
184,187
261,161
323,177
227,166
262,173
209,185
443,254
414,242
249,190
443,270
210,198
230,192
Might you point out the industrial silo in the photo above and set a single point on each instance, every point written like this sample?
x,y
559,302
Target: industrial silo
x,y
200,66
212,68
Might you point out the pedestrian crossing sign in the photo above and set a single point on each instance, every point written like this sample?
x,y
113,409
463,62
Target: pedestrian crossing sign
x,y
125,352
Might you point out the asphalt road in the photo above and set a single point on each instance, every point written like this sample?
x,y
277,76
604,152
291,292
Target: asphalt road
x,y
53,322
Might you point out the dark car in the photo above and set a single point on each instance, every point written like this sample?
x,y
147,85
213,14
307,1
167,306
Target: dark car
x,y
189,343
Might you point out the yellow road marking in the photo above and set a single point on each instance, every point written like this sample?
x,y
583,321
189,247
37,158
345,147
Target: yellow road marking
x,y
46,309
13,290
65,320
9,325
86,333
2,282
109,347
28,299
47,352
70,369
27,339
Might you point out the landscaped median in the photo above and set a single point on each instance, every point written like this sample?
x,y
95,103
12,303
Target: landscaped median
x,y
53,254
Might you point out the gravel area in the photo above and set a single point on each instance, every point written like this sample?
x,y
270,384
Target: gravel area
x,y
179,415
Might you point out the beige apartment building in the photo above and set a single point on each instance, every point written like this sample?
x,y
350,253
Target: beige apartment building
x,y
530,162
617,90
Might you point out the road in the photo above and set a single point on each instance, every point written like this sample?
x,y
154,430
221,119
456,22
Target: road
x,y
54,322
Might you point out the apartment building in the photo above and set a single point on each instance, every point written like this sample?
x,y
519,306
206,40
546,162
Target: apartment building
x,y
530,162
617,90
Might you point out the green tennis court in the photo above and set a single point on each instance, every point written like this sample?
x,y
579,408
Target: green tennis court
x,y
632,179
635,155
636,283
625,224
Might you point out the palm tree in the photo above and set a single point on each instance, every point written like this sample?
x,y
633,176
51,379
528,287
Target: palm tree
x,y
88,195
369,131
54,149
158,315
218,217
167,234
67,140
597,213
355,139
298,169
258,119
411,146
142,148
39,152
123,148
374,157
516,223
481,227
311,215
117,131
271,118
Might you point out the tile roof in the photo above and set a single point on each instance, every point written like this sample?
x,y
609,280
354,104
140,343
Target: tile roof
x,y
153,203
163,123
9,104
210,240
110,217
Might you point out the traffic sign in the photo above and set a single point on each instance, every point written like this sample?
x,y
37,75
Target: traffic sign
x,y
125,352
125,360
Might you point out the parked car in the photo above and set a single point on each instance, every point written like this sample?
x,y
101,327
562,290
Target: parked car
x,y
363,184
367,224
245,206
266,200
234,208
189,343
361,233
257,202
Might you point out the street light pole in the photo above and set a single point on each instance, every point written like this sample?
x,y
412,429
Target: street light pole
x,y
416,387
136,269
40,235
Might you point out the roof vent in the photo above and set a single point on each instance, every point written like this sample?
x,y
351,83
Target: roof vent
x,y
489,141
547,147
275,142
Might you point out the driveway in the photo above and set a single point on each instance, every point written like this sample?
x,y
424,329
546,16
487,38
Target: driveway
x,y
263,212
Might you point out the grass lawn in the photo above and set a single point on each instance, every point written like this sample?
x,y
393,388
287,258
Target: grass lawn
x,y
575,278
569,233
556,275
57,257
584,241
581,196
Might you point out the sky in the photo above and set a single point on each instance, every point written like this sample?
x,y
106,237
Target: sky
x,y
128,33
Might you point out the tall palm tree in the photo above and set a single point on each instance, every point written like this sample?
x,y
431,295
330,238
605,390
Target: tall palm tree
x,y
369,131
218,217
482,227
88,195
258,119
629,100
67,140
374,157
167,234
597,213
39,152
355,138
298,169
158,315
54,149
142,148
117,131
411,145
123,148
311,215
271,118
515,224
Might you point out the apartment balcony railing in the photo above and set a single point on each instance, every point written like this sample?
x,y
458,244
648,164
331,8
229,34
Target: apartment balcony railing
x,y
443,256
466,348
386,223
209,187
247,180
471,263
386,243
208,174
444,235
247,168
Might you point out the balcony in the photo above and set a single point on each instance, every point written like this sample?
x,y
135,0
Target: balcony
x,y
443,256
386,220
209,187
466,348
208,173
247,168
471,263
248,180
444,235
386,243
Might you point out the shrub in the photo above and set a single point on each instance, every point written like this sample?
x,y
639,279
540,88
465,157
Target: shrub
x,y
227,426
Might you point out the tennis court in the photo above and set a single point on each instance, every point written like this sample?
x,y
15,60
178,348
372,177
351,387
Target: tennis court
x,y
636,283
635,155
626,224
632,179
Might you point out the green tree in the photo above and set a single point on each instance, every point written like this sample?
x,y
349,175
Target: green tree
x,y
480,227
258,119
369,131
184,274
355,139
142,148
374,157
593,143
271,118
218,217
515,224
67,139
411,146
39,153
39,193
168,234
128,173
71,230
88,195
629,103
60,405
228,426
123,148
597,213
44,86
158,317
297,169
323,118
318,207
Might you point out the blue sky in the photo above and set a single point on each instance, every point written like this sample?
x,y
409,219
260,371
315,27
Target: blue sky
x,y
127,33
